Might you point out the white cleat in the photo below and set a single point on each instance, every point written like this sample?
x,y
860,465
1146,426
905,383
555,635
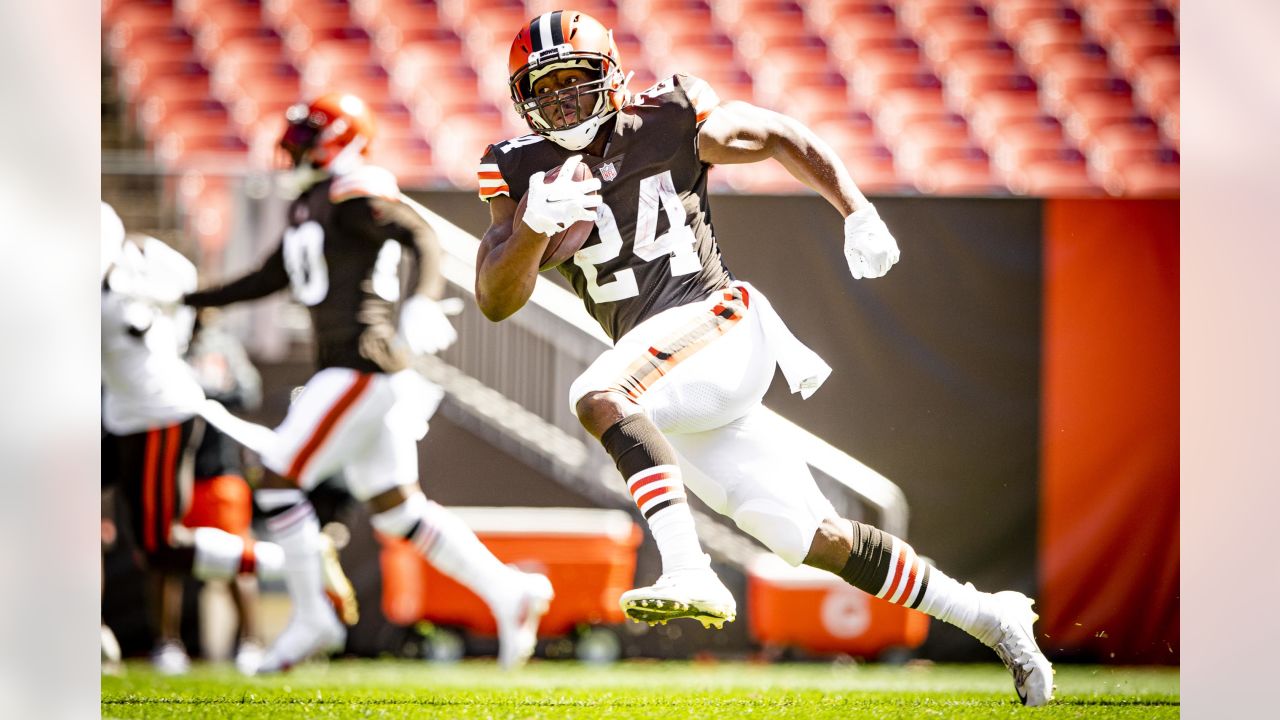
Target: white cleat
x,y
249,656
110,653
302,639
696,594
518,617
170,658
1016,645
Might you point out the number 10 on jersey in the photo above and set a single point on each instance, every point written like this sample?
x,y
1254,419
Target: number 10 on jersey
x,y
657,192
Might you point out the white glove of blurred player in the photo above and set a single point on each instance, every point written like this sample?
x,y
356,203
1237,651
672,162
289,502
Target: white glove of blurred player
x,y
552,207
869,247
425,326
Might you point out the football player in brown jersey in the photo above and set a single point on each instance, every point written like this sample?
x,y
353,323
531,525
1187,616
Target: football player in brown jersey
x,y
364,410
677,400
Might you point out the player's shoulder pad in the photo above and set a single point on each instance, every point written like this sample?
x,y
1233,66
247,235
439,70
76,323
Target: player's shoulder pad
x,y
366,181
683,90
701,96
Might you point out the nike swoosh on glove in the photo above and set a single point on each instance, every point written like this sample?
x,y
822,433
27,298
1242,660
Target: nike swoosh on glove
x,y
552,207
869,247
425,326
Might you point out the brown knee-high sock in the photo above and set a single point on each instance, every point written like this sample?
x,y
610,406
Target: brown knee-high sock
x,y
652,472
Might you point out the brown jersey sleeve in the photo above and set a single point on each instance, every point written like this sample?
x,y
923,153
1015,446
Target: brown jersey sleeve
x,y
268,278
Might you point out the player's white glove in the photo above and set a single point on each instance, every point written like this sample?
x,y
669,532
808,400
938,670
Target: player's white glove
x,y
869,247
552,207
425,326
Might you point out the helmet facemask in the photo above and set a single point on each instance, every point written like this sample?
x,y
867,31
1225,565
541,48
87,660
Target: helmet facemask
x,y
558,115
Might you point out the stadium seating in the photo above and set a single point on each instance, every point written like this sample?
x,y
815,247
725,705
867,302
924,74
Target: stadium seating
x,y
946,96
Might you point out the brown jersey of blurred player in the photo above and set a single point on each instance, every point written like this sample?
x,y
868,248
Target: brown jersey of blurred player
x,y
364,410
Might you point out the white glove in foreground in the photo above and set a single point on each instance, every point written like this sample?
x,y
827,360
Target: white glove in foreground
x,y
550,208
424,325
869,247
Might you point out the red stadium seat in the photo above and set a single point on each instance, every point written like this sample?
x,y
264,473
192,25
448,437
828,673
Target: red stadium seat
x,y
972,52
1155,176
1008,16
137,75
1112,144
459,143
873,170
1170,122
1045,31
966,173
1054,178
895,108
409,158
783,16
847,37
1063,91
1157,83
966,90
1021,140
919,134
189,116
952,30
920,16
172,44
1133,46
844,128
990,111
1107,18
1088,112
889,55
1051,54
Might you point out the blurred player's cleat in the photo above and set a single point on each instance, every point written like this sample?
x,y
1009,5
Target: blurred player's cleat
x,y
110,653
170,658
301,639
336,585
696,594
1016,646
518,616
249,656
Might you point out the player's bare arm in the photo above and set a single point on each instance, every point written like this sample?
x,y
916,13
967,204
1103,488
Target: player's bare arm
x,y
738,132
507,263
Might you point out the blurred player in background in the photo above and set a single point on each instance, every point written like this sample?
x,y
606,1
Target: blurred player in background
x,y
221,495
678,399
364,410
149,404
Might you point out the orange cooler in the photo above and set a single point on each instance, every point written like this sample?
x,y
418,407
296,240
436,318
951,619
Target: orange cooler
x,y
588,554
816,611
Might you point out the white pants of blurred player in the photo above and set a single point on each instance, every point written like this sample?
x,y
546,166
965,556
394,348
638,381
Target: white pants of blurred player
x,y
365,424
700,371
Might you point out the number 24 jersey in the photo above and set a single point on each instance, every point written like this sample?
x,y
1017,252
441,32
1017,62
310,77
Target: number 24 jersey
x,y
653,246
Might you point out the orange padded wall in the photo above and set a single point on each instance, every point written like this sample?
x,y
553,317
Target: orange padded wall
x,y
1109,432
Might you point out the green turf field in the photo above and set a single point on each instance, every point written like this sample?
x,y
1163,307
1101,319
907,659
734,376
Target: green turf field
x,y
637,689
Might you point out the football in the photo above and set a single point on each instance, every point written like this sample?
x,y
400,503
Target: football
x,y
562,245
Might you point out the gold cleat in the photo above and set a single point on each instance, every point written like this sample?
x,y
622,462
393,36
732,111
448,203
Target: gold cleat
x,y
337,587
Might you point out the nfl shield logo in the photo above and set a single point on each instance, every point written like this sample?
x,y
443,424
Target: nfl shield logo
x,y
608,172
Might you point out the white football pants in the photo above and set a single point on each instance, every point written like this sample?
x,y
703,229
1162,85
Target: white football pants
x,y
699,371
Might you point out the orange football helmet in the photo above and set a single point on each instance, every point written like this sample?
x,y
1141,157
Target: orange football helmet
x,y
330,133
566,38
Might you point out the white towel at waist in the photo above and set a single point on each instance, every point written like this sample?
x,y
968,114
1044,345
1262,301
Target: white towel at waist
x,y
804,370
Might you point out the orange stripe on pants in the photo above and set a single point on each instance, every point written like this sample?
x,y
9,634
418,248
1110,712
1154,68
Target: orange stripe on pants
x,y
327,424
173,437
149,491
